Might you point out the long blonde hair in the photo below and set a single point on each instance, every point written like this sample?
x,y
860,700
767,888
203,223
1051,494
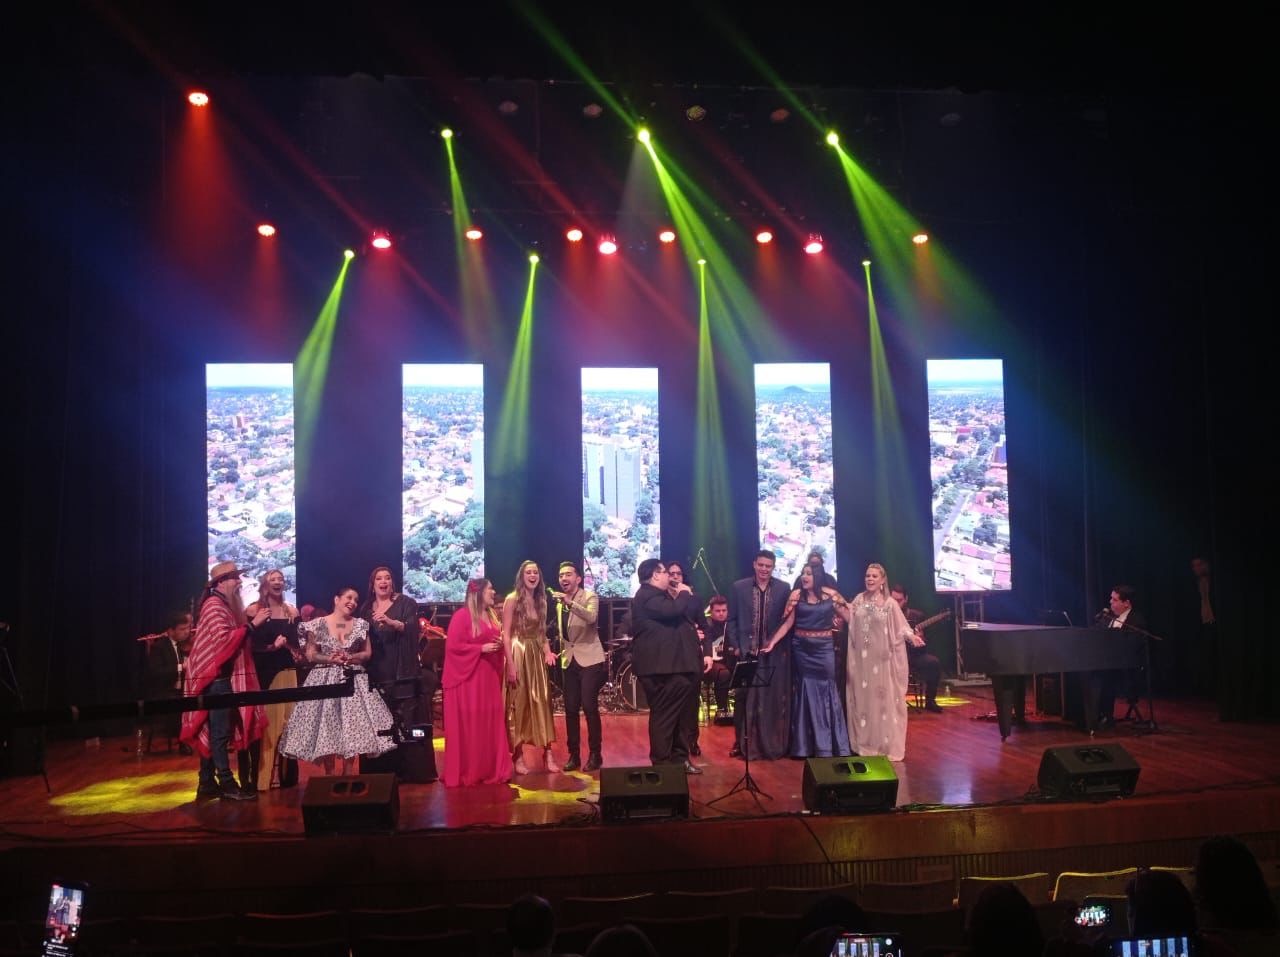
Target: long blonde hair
x,y
475,604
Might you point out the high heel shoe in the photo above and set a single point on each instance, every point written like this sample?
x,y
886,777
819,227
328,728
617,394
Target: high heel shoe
x,y
550,762
519,766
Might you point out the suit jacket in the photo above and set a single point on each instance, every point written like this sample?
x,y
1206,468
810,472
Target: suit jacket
x,y
162,669
738,631
580,633
664,642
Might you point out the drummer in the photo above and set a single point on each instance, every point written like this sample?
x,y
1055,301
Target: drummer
x,y
582,657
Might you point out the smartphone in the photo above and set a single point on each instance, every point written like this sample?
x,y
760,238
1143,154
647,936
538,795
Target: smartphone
x,y
63,919
1093,914
867,945
1169,946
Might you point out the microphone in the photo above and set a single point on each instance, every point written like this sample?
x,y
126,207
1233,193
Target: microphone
x,y
552,592
1104,614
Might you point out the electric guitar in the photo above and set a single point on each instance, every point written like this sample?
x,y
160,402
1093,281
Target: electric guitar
x,y
933,620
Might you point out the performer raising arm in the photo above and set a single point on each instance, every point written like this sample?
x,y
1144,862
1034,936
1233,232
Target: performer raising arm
x,y
877,670
818,728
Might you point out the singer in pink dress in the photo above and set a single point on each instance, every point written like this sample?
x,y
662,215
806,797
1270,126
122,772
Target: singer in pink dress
x,y
476,749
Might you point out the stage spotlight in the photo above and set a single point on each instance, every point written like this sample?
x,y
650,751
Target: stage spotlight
x,y
920,238
446,133
642,135
780,115
533,258
702,262
764,237
667,236
608,245
381,240
814,245
866,263
574,235
473,234
508,107
198,98
266,230
348,254
593,111
833,138
696,113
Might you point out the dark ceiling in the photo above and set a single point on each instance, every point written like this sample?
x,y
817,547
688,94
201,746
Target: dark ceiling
x,y
1078,48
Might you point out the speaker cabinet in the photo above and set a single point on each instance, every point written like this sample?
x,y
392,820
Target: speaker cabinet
x,y
1087,771
855,785
351,804
644,793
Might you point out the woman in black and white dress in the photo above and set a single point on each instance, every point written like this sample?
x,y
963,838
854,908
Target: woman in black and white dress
x,y
338,727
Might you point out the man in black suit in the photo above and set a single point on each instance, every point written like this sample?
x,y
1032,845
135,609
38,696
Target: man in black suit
x,y
1101,686
756,607
166,653
675,578
665,656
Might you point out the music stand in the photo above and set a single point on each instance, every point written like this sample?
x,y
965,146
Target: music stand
x,y
747,674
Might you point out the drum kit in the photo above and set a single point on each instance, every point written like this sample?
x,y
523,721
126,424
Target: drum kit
x,y
622,691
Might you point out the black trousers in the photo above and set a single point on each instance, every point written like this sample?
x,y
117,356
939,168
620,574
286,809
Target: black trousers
x,y
672,718
927,668
582,693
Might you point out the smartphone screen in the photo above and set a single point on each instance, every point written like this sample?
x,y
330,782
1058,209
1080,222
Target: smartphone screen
x,y
62,922
867,945
1169,946
1095,914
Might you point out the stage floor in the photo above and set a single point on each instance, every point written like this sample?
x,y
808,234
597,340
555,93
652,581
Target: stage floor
x,y
962,808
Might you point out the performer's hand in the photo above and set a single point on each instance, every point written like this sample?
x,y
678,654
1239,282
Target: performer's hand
x,y
682,587
264,614
489,647
511,677
917,640
279,643
706,665
549,657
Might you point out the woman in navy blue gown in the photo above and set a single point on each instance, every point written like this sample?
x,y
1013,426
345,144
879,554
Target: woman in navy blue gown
x,y
818,726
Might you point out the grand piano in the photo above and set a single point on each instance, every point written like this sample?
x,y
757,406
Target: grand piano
x,y
1006,651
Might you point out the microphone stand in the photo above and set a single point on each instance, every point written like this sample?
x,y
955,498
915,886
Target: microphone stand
x,y
1148,724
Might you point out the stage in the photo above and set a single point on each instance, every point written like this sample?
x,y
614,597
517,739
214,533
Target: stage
x,y
130,826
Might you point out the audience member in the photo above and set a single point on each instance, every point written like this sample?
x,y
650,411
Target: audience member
x,y
1003,924
625,940
1230,888
1160,906
531,925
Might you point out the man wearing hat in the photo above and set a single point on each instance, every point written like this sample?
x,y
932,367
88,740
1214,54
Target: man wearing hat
x,y
220,663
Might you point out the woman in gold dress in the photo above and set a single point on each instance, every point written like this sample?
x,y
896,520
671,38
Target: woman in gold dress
x,y
524,638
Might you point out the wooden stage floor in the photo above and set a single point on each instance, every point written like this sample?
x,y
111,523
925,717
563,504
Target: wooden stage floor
x,y
962,809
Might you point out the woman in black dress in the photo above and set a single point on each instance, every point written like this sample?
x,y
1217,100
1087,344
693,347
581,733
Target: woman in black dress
x,y
396,668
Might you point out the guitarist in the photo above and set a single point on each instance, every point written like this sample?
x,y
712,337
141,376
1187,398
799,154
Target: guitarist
x,y
924,665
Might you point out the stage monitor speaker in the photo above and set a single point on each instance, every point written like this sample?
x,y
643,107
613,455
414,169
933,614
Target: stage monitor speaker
x,y
644,793
351,804
1087,771
856,785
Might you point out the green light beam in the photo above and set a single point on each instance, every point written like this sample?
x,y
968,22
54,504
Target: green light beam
x,y
311,369
479,312
712,501
512,447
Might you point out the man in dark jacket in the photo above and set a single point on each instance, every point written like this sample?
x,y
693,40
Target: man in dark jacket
x,y
666,659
